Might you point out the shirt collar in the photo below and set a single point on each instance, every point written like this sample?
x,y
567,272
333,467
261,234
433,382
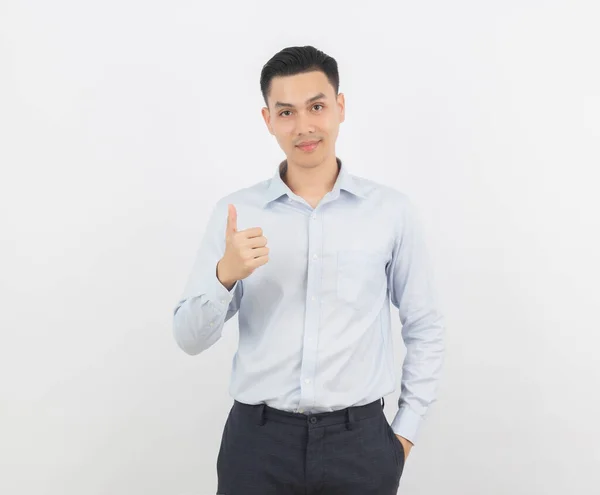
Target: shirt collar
x,y
277,188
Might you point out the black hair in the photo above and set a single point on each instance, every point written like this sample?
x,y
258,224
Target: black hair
x,y
296,60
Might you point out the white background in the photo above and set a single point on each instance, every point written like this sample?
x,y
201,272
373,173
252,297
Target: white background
x,y
122,122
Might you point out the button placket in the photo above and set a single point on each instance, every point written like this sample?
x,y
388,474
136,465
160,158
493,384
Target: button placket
x,y
311,326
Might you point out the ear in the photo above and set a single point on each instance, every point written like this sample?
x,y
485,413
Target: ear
x,y
341,101
267,118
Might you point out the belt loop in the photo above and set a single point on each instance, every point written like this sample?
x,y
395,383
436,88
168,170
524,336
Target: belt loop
x,y
382,403
261,414
348,418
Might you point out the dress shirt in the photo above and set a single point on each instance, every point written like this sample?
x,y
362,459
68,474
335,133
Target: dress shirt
x,y
314,321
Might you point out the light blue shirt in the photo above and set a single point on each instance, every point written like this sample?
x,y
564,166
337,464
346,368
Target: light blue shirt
x,y
314,322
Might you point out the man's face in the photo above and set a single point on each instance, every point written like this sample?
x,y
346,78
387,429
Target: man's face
x,y
304,108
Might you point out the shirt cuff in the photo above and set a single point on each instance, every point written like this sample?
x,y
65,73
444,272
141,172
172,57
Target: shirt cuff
x,y
218,294
406,423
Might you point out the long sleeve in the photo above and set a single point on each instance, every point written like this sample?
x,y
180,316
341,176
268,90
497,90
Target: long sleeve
x,y
410,280
205,305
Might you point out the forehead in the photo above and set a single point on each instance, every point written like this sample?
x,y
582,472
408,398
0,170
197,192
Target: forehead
x,y
298,88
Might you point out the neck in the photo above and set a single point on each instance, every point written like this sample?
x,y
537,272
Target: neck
x,y
310,181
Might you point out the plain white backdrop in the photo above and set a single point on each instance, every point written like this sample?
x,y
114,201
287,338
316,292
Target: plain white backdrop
x,y
121,124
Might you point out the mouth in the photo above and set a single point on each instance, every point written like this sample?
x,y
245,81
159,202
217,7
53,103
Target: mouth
x,y
309,146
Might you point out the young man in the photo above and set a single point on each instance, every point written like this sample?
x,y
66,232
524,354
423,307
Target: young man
x,y
315,355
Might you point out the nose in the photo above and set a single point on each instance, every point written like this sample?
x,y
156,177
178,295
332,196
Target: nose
x,y
304,124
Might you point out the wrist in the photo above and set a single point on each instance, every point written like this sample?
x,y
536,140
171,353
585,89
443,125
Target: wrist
x,y
227,281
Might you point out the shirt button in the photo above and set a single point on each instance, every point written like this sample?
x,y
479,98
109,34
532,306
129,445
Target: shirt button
x,y
314,215
307,380
301,411
313,298
315,256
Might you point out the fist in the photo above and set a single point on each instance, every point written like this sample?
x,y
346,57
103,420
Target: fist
x,y
245,251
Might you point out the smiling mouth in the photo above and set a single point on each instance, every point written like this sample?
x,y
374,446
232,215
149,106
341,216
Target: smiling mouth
x,y
309,146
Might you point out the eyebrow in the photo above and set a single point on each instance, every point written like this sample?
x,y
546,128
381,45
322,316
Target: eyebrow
x,y
310,100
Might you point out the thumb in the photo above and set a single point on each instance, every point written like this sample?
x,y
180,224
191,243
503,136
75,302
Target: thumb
x,y
231,219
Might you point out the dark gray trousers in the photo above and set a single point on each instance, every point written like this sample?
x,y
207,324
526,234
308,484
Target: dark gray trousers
x,y
265,451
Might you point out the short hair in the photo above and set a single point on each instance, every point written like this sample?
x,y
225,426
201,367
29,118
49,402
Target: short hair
x,y
296,60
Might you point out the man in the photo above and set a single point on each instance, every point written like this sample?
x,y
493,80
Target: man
x,y
315,355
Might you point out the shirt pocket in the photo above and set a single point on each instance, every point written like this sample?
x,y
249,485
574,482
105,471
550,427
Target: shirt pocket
x,y
361,275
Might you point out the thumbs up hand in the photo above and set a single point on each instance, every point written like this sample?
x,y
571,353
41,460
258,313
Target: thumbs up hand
x,y
245,251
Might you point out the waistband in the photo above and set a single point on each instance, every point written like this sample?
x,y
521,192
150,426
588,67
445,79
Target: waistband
x,y
262,413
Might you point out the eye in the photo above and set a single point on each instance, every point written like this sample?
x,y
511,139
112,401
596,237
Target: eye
x,y
281,114
317,105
